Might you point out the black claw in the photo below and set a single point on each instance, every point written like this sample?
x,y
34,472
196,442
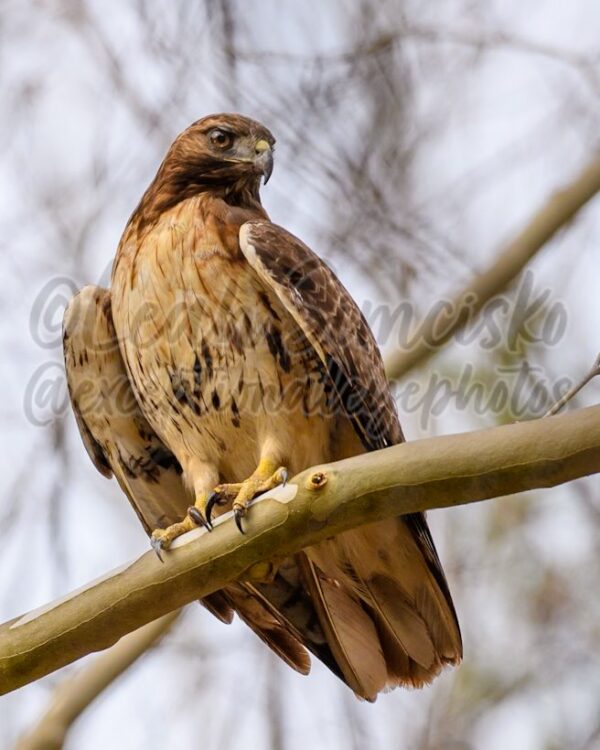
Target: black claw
x,y
284,477
198,518
156,545
213,499
238,514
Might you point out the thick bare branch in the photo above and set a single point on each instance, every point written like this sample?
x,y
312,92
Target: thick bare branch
x,y
437,328
74,695
424,474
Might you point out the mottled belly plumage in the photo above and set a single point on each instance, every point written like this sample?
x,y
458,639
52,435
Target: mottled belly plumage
x,y
232,366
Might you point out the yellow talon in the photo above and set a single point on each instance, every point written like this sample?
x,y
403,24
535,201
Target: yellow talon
x,y
163,538
266,476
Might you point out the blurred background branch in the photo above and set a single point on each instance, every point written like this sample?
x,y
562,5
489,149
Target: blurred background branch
x,y
440,326
76,693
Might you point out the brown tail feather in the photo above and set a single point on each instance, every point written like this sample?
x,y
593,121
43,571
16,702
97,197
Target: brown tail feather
x,y
350,632
383,571
267,627
218,606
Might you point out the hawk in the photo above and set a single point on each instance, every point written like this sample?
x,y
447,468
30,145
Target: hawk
x,y
225,355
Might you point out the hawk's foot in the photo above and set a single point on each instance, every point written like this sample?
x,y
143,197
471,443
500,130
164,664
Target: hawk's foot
x,y
266,476
163,538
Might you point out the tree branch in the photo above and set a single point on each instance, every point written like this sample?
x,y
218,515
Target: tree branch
x,y
76,693
416,476
594,372
438,327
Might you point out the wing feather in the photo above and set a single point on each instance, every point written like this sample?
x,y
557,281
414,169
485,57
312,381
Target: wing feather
x,y
332,323
391,569
114,430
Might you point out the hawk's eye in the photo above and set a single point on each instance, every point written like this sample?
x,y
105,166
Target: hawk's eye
x,y
220,138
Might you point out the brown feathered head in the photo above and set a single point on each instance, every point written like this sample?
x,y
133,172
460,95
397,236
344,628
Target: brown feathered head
x,y
225,154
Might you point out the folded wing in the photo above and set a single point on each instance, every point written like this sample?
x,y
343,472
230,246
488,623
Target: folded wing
x,y
380,590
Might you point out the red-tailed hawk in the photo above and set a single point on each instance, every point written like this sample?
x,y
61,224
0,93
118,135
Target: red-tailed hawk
x,y
226,355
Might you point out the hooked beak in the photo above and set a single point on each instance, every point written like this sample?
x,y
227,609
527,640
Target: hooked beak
x,y
264,158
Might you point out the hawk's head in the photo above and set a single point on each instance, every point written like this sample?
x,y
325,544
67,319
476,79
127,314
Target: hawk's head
x,y
223,150
224,154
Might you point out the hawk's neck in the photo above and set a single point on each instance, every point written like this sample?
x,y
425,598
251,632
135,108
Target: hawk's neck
x,y
168,190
